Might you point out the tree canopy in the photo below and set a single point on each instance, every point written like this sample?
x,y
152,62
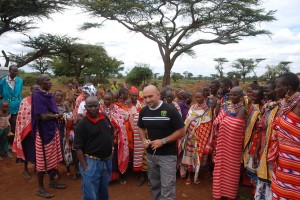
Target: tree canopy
x,y
41,64
274,71
219,67
44,45
176,26
139,74
91,58
21,15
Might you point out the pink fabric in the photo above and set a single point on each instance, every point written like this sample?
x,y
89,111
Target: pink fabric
x,y
23,126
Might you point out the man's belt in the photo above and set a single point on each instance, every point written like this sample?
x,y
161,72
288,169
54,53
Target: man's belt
x,y
96,158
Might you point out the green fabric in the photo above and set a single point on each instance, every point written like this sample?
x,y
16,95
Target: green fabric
x,y
3,141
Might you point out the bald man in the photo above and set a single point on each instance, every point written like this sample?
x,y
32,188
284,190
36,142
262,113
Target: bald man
x,y
94,136
164,126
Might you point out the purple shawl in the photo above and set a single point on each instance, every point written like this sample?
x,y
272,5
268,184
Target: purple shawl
x,y
43,103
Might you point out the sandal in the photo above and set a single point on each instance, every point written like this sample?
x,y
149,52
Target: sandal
x,y
56,185
122,181
74,177
197,181
69,174
188,182
44,194
140,182
26,175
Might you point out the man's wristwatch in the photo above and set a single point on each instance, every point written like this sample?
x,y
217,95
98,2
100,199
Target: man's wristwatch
x,y
164,141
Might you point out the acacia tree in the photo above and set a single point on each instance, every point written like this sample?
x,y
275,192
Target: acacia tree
x,y
21,15
219,67
44,45
176,26
245,66
41,64
91,58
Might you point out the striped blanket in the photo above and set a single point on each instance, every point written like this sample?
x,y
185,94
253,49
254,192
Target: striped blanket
x,y
285,153
52,151
226,174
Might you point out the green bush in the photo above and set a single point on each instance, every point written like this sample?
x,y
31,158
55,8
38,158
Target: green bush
x,y
29,78
64,80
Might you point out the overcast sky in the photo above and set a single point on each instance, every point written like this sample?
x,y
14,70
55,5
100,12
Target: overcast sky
x,y
131,48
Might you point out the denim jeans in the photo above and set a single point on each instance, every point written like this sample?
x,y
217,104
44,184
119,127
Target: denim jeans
x,y
95,179
162,176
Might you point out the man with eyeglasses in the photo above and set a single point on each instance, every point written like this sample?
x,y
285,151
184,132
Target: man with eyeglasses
x,y
163,125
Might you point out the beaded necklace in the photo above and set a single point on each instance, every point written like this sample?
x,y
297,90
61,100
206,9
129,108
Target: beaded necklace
x,y
289,103
232,108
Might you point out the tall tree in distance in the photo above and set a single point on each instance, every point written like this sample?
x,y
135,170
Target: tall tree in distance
x,y
274,71
256,62
177,26
139,74
41,64
244,66
219,67
21,15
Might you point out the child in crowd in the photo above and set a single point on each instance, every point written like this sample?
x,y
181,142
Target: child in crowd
x,y
4,130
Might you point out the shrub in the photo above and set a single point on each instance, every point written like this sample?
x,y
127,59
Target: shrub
x,y
64,80
29,78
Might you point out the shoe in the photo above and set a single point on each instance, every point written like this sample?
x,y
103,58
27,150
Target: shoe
x,y
1,159
140,182
9,155
26,175
197,181
188,182
44,194
10,134
56,185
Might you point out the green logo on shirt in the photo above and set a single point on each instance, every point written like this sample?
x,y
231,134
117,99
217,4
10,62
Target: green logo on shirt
x,y
163,113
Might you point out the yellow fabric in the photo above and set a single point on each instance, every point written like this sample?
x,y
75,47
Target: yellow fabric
x,y
249,130
262,170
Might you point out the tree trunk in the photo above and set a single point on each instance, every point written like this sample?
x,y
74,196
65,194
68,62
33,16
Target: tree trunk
x,y
77,73
6,58
167,74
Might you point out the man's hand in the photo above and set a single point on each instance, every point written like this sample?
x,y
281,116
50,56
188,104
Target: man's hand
x,y
155,144
146,143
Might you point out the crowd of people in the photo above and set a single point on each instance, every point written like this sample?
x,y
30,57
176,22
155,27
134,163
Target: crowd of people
x,y
236,136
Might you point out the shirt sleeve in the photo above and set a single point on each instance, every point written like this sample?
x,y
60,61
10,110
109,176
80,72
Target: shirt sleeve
x,y
79,139
81,108
176,119
140,120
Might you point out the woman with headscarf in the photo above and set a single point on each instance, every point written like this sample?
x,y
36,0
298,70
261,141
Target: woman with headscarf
x,y
87,90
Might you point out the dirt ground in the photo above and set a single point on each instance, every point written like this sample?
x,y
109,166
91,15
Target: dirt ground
x,y
14,187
